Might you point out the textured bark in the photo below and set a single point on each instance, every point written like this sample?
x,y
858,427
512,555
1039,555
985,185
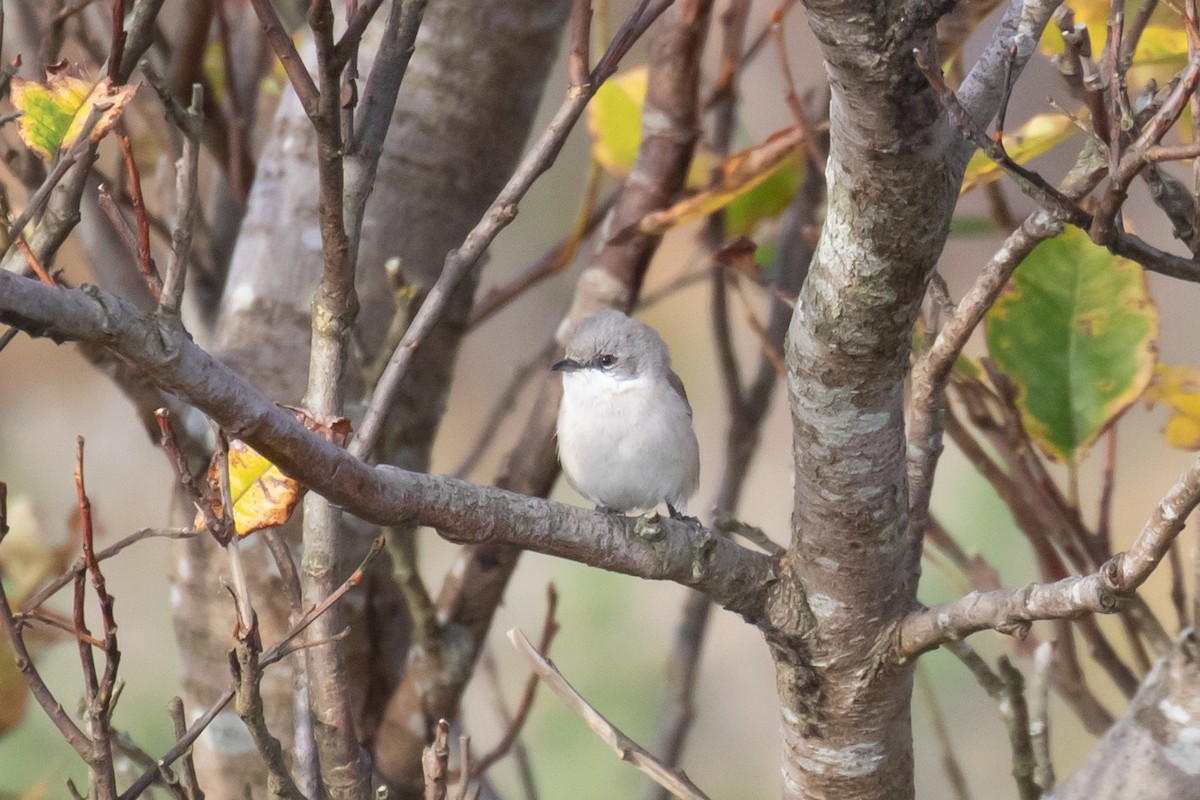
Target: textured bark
x,y
463,113
475,585
892,188
1154,750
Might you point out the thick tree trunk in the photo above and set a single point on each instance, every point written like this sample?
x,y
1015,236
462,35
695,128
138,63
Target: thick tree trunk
x,y
892,188
1154,750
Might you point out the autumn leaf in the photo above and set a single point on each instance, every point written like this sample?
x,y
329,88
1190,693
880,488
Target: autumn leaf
x,y
26,558
614,118
1075,331
262,496
55,112
1178,387
757,183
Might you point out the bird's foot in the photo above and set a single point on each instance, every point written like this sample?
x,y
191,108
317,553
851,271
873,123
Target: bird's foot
x,y
608,510
679,515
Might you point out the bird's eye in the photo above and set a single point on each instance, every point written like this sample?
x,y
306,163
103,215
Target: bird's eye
x,y
606,360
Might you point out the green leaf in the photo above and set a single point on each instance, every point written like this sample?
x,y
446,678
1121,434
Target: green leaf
x,y
614,119
1075,330
763,200
55,112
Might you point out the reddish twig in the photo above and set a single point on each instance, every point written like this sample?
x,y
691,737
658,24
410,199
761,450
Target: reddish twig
x,y
34,263
117,49
807,135
271,655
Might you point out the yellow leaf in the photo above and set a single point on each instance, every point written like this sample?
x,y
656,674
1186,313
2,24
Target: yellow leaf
x,y
56,111
1178,388
1035,137
262,496
739,175
26,559
13,689
615,123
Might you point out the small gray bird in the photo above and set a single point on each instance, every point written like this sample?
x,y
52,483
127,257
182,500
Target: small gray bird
x,y
625,434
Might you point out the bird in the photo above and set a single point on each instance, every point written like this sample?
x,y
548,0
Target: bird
x,y
625,435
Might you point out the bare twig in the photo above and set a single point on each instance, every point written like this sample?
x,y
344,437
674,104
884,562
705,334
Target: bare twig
x,y
191,786
187,181
435,760
70,732
458,262
502,748
145,261
98,692
276,652
78,568
1039,715
285,50
1066,598
626,749
1008,690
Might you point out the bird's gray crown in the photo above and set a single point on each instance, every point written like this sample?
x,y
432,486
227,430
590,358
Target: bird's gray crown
x,y
615,343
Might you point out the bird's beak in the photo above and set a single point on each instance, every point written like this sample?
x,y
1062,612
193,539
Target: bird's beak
x,y
567,365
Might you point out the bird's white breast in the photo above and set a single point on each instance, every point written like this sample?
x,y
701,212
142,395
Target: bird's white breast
x,y
626,443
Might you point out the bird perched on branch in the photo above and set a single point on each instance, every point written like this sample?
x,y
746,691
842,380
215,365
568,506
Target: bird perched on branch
x,y
625,434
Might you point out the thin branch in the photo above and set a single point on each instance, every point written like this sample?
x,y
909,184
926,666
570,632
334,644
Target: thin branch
x,y
276,652
70,732
626,749
579,64
145,261
502,748
79,567
191,786
434,761
1066,598
1008,690
187,180
1039,715
732,575
285,50
502,211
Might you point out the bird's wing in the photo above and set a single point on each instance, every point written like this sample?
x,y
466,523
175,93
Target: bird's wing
x,y
677,385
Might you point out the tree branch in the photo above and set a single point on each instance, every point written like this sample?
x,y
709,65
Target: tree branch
x,y
1067,598
734,576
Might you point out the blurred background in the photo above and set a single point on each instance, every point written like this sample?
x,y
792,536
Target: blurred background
x,y
616,631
